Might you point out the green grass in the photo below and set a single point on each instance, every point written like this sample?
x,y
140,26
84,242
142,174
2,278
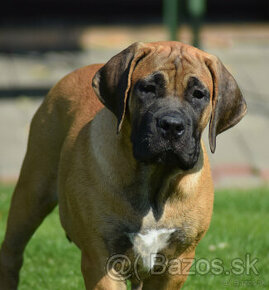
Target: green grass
x,y
240,225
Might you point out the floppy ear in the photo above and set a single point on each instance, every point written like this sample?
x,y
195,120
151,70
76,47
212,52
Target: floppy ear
x,y
228,104
113,81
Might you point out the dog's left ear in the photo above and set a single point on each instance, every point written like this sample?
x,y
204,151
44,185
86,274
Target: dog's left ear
x,y
228,104
112,82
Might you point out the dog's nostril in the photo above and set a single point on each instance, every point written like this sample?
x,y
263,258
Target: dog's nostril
x,y
165,125
179,129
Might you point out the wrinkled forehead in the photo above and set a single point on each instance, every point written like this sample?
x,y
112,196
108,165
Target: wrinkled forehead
x,y
177,64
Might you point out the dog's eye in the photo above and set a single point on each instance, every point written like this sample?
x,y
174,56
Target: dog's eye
x,y
197,94
147,88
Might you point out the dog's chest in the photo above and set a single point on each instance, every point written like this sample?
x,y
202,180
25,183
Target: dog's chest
x,y
154,238
147,244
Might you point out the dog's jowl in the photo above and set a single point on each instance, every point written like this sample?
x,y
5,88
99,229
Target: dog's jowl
x,y
118,146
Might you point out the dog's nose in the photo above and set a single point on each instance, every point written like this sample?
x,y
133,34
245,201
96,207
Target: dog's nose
x,y
172,127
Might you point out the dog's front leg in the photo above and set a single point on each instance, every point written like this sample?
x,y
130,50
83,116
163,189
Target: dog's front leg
x,y
96,274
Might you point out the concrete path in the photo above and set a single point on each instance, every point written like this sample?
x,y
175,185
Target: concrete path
x,y
242,155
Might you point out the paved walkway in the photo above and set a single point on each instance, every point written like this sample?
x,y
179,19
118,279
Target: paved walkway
x,y
242,155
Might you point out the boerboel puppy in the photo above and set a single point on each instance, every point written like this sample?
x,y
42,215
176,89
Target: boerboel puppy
x,y
132,177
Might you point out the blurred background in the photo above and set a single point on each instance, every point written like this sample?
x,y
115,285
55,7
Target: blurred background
x,y
42,40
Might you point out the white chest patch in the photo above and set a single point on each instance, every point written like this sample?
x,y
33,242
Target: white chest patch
x,y
148,244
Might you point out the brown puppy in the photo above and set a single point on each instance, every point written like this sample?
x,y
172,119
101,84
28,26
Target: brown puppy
x,y
137,194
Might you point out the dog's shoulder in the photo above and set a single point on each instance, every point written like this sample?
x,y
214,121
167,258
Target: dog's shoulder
x,y
74,92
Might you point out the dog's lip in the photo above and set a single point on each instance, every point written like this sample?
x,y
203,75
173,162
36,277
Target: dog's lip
x,y
169,155
170,159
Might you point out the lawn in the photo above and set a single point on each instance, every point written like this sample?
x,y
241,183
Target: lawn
x,y
239,232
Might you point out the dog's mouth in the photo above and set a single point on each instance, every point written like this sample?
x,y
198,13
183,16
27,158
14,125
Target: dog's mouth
x,y
181,156
183,160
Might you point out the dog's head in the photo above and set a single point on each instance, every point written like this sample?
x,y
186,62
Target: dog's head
x,y
170,91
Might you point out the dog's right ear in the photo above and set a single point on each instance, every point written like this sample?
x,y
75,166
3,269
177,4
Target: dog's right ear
x,y
113,81
228,104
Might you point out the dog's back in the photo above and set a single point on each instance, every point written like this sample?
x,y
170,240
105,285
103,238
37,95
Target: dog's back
x,y
69,105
